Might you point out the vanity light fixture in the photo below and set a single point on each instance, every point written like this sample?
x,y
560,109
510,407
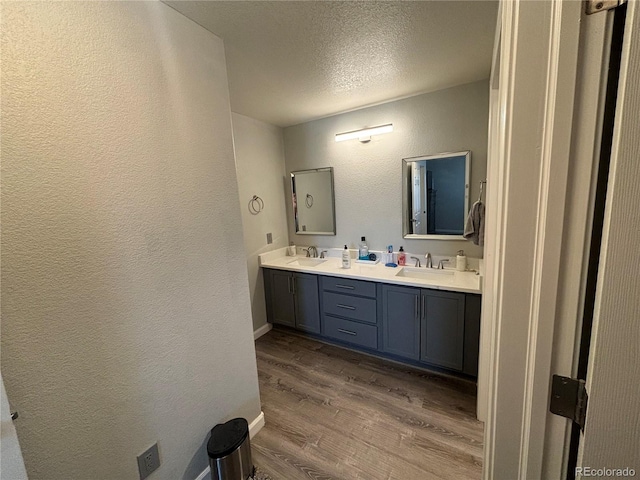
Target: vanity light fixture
x,y
364,135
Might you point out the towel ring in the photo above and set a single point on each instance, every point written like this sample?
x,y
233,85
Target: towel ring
x,y
255,205
309,201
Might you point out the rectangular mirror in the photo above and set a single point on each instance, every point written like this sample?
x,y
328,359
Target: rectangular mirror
x,y
313,201
435,195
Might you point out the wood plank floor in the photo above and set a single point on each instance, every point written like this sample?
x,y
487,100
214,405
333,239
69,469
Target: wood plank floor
x,y
336,414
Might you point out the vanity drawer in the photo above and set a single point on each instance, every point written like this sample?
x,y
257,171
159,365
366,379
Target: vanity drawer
x,y
348,286
358,308
351,332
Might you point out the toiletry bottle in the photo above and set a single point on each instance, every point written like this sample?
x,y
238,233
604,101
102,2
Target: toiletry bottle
x,y
461,261
292,250
402,257
363,252
346,258
388,257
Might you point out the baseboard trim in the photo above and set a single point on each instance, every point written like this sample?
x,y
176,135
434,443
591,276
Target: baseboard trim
x,y
262,330
256,425
254,428
206,473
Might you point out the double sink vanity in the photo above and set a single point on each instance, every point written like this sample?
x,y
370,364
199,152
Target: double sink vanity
x,y
420,316
424,317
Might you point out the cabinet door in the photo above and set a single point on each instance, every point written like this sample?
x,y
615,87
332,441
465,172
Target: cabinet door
x,y
442,330
307,303
472,309
401,321
282,303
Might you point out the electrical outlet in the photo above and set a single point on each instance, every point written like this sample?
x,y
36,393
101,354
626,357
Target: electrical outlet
x,y
148,461
269,238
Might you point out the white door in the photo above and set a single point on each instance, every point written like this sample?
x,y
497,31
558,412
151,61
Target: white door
x,y
541,178
419,199
611,439
11,463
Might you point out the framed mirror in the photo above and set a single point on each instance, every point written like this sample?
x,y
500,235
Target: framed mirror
x,y
313,201
435,195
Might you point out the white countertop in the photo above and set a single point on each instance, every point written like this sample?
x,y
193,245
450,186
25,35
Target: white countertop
x,y
466,282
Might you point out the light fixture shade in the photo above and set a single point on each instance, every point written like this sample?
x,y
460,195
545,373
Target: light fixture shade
x,y
365,133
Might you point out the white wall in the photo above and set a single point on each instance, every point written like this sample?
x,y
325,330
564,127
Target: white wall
x,y
260,166
125,302
368,177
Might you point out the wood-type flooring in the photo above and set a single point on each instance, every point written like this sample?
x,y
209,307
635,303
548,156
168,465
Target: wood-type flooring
x,y
332,413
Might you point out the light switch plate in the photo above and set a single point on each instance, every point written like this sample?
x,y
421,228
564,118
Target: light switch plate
x,y
269,238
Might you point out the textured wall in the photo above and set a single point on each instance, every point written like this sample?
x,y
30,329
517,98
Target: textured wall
x,y
125,300
260,166
368,176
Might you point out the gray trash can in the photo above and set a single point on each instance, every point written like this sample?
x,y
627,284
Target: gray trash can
x,y
229,451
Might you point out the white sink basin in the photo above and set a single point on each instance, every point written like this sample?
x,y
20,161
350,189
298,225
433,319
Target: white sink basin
x,y
424,273
306,262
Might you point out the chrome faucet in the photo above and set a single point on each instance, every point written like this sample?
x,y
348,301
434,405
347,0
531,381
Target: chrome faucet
x,y
322,253
310,249
429,263
417,261
441,264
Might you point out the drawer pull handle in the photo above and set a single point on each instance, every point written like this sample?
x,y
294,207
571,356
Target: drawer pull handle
x,y
348,307
348,332
348,287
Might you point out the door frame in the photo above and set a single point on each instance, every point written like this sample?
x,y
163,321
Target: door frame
x,y
532,238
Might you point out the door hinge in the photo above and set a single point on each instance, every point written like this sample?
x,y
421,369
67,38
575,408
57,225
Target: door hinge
x,y
569,399
595,6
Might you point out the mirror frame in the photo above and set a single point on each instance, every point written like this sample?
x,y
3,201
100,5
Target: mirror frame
x,y
295,208
406,178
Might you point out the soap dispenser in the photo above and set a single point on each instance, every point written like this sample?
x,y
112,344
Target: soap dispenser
x,y
346,258
461,261
402,257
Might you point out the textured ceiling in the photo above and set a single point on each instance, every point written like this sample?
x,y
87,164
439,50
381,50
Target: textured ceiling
x,y
290,62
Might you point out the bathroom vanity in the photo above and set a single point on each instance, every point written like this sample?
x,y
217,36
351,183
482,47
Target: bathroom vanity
x,y
423,317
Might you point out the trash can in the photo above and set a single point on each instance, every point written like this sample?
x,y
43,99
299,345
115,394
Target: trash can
x,y
229,451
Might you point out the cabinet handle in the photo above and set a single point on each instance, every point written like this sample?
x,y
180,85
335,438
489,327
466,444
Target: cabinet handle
x,y
348,287
293,283
424,310
348,332
348,307
289,285
416,307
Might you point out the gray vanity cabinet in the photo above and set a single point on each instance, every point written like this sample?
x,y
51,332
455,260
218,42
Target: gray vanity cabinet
x,y
472,312
442,330
401,321
279,298
431,326
292,299
420,326
350,311
307,303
